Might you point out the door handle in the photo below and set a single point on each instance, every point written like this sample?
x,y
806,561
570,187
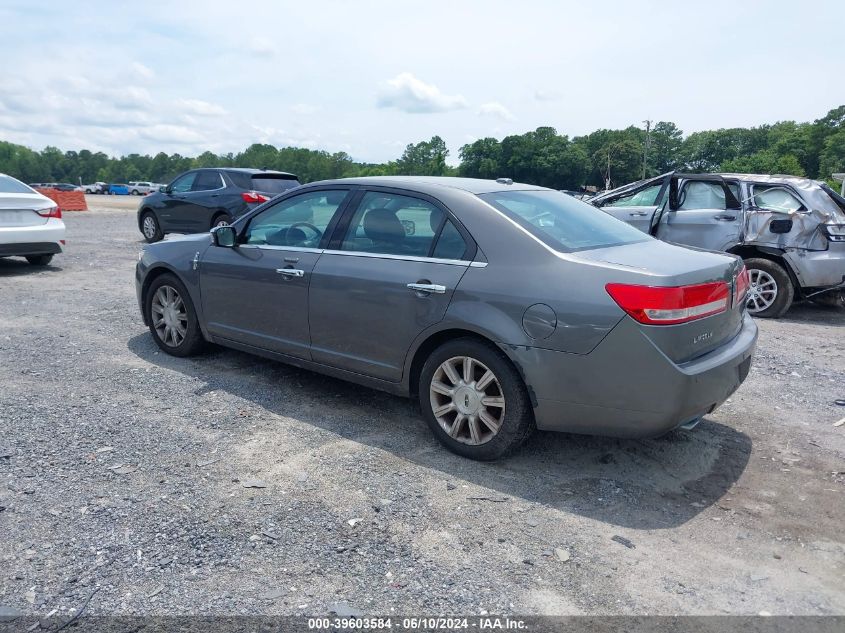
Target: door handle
x,y
290,272
641,214
725,217
428,288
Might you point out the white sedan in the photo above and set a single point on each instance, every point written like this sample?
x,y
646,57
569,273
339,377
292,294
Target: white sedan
x,y
30,224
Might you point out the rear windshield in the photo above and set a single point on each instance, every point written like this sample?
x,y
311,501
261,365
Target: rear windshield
x,y
561,221
10,185
270,184
839,200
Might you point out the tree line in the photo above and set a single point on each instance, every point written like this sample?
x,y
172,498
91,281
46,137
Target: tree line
x,y
543,157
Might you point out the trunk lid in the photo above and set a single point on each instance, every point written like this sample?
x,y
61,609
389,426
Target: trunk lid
x,y
656,263
17,210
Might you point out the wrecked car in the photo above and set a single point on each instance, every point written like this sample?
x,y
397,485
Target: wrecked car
x,y
790,231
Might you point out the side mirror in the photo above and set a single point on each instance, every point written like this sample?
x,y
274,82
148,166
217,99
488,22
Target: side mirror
x,y
164,189
224,236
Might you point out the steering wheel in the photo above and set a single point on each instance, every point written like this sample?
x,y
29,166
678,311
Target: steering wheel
x,y
317,232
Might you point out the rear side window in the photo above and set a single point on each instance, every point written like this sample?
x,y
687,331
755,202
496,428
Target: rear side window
x,y
393,224
561,221
207,181
10,185
450,244
776,199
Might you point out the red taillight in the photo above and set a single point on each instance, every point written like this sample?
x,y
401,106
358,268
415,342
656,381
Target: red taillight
x,y
654,305
253,197
50,212
741,285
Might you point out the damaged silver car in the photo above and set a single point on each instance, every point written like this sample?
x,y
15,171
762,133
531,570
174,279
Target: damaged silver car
x,y
790,231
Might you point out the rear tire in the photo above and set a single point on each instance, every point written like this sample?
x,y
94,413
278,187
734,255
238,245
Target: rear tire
x,y
172,318
39,260
771,292
481,410
150,228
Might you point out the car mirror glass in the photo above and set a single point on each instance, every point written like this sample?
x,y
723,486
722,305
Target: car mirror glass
x,y
224,236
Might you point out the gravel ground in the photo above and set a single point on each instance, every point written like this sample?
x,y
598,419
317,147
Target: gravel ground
x,y
229,484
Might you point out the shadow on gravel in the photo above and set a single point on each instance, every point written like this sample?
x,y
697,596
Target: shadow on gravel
x,y
14,267
641,484
815,314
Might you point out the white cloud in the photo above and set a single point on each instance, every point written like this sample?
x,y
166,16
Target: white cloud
x,y
546,95
200,107
495,109
409,94
143,71
262,47
304,108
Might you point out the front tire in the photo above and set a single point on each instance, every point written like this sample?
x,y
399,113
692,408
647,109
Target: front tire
x,y
172,318
150,228
39,260
474,401
771,292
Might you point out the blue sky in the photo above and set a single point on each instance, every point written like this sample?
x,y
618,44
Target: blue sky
x,y
369,77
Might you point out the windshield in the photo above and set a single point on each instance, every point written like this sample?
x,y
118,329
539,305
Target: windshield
x,y
269,184
561,221
10,185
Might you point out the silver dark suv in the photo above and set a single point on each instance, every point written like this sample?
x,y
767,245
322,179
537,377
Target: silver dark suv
x,y
790,231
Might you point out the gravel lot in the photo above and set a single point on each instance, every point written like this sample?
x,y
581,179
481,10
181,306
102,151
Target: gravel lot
x,y
124,474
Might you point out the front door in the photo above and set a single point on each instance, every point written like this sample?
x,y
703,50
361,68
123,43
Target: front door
x,y
177,206
702,212
638,206
257,292
390,276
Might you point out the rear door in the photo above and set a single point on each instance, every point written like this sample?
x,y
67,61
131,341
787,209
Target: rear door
x,y
256,293
204,200
390,273
702,211
637,206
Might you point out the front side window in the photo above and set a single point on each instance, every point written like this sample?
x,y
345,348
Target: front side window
x,y
643,198
207,181
298,221
699,194
776,199
393,224
561,221
183,183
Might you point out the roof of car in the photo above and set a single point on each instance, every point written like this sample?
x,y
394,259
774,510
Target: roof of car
x,y
252,171
768,178
433,183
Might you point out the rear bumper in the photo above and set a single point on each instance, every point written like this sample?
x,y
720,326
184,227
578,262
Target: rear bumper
x,y
42,239
626,387
818,269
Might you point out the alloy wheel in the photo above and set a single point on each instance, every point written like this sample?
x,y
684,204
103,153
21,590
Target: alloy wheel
x,y
762,292
467,400
169,316
149,227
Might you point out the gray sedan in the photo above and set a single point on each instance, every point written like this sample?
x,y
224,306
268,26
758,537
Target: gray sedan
x,y
502,307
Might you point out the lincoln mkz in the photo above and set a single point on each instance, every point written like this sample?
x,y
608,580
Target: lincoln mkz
x,y
501,307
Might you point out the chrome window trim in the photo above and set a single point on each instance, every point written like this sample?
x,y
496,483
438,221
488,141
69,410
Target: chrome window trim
x,y
222,181
408,258
273,247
